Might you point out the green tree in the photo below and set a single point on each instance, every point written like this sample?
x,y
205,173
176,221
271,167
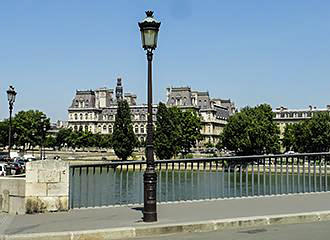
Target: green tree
x,y
311,135
50,142
83,139
288,137
29,127
123,138
166,133
251,131
190,130
106,141
63,137
4,128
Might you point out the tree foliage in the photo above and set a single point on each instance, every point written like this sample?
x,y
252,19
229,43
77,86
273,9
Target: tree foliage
x,y
190,130
123,138
30,127
166,133
176,131
312,135
4,126
251,131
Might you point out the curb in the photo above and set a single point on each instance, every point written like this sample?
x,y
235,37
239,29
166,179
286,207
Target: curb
x,y
160,229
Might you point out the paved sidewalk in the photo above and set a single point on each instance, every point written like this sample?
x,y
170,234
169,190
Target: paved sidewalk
x,y
168,214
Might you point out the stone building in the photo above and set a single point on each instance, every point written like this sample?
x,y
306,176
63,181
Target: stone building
x,y
95,111
284,116
214,113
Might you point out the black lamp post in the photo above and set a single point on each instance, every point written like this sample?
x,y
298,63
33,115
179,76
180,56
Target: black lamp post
x,y
149,28
43,126
11,94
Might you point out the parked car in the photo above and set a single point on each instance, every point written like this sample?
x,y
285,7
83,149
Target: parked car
x,y
3,169
3,156
22,163
15,168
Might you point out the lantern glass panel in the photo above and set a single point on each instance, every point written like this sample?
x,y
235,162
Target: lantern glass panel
x,y
11,96
149,38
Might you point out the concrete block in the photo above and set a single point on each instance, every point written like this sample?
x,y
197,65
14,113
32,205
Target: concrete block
x,y
39,236
5,201
16,205
31,176
206,226
118,233
51,204
1,202
16,186
324,216
292,218
49,176
64,175
158,230
58,189
63,203
36,189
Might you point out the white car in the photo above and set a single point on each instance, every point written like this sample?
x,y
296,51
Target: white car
x,y
2,169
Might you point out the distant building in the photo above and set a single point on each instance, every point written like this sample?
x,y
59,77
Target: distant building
x,y
284,116
95,110
214,112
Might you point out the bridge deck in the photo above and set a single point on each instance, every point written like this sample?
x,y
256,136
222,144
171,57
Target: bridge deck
x,y
184,212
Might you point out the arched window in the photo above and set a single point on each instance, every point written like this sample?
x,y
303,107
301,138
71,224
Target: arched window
x,y
136,129
81,116
86,116
110,129
143,117
76,128
142,129
75,116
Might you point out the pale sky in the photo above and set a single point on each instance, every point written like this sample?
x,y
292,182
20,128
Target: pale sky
x,y
253,52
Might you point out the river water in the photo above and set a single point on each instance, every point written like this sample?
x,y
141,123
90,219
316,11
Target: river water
x,y
122,187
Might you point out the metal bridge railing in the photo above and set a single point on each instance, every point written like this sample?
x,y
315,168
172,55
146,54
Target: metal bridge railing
x,y
121,183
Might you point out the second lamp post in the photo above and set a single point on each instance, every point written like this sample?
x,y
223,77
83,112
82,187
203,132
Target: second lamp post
x,y
149,28
11,94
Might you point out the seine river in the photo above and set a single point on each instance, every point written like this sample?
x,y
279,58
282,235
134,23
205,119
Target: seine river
x,y
126,187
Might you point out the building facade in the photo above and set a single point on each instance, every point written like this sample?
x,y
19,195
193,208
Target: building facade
x,y
214,113
95,110
284,116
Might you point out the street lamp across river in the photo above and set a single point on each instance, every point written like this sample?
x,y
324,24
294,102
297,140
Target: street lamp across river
x,y
149,28
11,94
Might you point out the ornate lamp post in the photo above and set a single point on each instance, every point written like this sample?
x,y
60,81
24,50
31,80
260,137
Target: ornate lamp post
x,y
149,28
11,94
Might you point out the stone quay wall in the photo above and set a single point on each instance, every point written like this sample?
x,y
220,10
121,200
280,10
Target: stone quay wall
x,y
47,186
12,195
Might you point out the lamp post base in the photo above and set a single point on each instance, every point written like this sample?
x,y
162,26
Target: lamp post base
x,y
150,207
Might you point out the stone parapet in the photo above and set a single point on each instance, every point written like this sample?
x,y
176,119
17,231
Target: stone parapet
x,y
12,194
47,186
